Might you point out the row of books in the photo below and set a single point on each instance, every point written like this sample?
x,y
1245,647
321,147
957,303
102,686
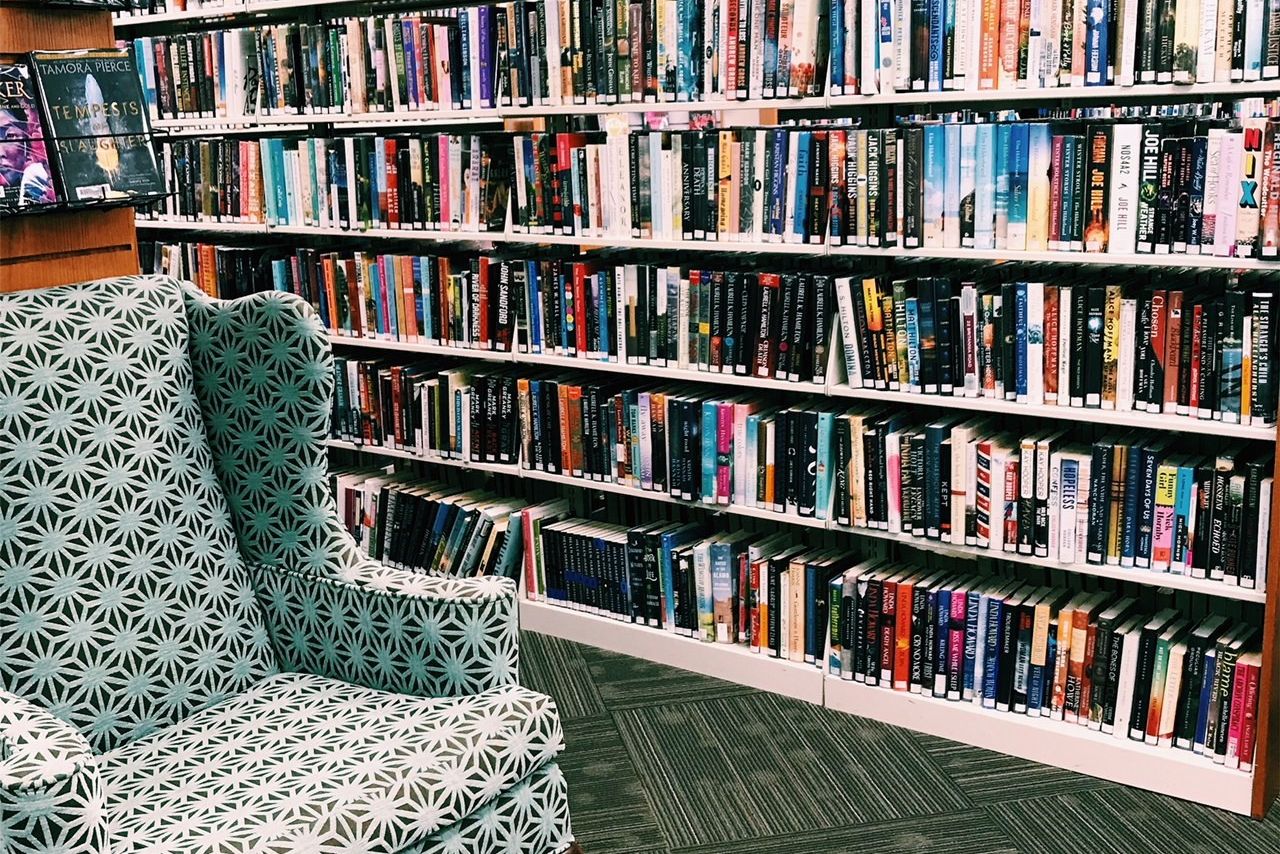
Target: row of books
x,y
1199,349
1160,187
1200,346
428,526
73,128
450,182
554,52
1093,659
224,272
1122,499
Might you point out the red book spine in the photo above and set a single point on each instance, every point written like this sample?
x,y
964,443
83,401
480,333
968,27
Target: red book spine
x,y
724,452
888,602
482,282
754,604
1197,345
393,184
1009,509
580,307
743,598
902,638
955,637
1052,336
1249,719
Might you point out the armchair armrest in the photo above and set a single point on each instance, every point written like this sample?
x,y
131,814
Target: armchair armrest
x,y
392,630
50,796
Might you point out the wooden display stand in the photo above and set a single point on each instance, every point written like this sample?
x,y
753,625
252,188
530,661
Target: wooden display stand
x,y
60,248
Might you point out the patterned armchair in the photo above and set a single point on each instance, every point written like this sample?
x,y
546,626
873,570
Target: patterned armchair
x,y
193,655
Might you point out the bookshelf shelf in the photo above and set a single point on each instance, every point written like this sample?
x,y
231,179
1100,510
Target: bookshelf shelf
x,y
1172,772
1174,423
1179,773
1201,262
722,661
1141,576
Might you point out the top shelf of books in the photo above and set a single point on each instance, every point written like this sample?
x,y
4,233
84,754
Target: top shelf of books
x,y
560,56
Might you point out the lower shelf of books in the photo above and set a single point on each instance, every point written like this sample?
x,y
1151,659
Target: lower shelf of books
x,y
1178,773
722,661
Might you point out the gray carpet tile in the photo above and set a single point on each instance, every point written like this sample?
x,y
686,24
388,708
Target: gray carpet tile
x,y
663,761
988,777
625,682
559,668
610,806
1122,820
942,833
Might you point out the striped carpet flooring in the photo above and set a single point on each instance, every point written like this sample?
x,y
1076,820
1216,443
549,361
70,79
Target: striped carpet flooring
x,y
660,761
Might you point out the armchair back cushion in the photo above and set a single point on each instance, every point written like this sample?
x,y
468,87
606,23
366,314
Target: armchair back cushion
x,y
123,598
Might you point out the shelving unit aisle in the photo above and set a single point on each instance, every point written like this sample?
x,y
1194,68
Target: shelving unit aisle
x,y
1179,773
722,661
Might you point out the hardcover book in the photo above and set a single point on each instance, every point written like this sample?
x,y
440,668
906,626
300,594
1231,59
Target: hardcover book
x,y
25,178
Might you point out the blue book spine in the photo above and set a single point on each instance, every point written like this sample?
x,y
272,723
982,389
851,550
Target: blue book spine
x,y
390,277
1020,338
777,181
825,462
835,595
533,282
422,302
601,298
771,62
943,640
1132,493
913,342
935,180
1095,45
835,15
377,182
485,39
464,37
1050,666
710,414
984,215
568,337
280,275
410,67
667,571
375,286
1003,145
991,652
279,178
688,11
753,440
937,62
972,604
722,589
1206,689
1181,516
1019,171
800,192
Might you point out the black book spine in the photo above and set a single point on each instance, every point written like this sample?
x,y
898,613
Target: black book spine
x,y
808,488
1099,502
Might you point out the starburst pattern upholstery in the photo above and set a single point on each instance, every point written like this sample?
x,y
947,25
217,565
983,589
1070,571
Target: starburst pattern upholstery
x,y
194,656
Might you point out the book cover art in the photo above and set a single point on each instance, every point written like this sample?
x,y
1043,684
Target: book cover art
x,y
98,123
25,177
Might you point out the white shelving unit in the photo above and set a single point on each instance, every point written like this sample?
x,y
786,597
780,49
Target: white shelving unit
x,y
1198,262
1179,773
1076,748
731,662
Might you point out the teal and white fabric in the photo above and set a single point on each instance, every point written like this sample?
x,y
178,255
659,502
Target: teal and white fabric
x,y
193,655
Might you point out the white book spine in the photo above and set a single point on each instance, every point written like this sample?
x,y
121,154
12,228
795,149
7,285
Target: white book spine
x,y
1126,142
1207,55
869,36
1035,343
1125,362
1063,547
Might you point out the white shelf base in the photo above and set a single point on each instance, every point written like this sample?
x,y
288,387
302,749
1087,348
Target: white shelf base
x,y
1179,773
730,662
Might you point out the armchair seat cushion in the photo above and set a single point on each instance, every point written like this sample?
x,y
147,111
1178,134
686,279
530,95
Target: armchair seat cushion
x,y
302,763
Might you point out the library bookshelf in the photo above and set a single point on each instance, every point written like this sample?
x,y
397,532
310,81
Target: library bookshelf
x,y
1171,772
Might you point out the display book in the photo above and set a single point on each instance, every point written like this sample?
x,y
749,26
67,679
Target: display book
x,y
1141,668
555,52
75,130
1181,180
